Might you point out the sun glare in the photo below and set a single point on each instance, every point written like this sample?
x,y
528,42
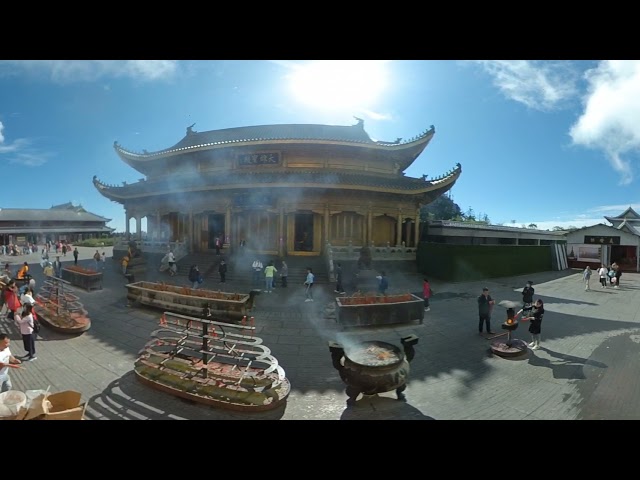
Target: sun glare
x,y
339,84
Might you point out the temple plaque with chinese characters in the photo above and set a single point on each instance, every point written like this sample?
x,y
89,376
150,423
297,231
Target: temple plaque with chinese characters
x,y
259,158
601,240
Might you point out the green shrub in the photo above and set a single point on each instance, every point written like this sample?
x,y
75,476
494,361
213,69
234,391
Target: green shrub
x,y
96,242
478,262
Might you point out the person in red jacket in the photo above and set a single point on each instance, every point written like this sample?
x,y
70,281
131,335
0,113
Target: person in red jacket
x,y
426,294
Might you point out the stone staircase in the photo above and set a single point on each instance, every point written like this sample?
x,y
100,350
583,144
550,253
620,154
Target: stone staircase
x,y
239,267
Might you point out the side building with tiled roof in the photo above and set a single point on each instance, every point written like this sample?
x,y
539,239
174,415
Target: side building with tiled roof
x,y
606,244
60,222
280,189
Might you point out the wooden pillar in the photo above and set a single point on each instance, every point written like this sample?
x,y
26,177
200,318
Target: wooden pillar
x,y
191,243
369,227
281,233
158,226
326,225
416,233
407,233
139,227
127,232
227,229
399,229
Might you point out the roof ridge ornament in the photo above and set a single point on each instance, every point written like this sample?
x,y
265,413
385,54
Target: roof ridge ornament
x,y
360,122
190,130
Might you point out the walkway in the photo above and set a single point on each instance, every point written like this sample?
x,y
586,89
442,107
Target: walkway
x,y
587,368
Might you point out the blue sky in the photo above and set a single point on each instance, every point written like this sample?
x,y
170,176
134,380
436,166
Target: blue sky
x,y
553,143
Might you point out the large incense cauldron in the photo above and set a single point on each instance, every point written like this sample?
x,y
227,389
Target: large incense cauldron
x,y
373,367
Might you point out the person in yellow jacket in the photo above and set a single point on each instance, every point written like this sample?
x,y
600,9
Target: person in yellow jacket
x,y
125,264
22,273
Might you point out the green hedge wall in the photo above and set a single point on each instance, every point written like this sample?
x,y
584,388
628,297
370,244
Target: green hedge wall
x,y
477,262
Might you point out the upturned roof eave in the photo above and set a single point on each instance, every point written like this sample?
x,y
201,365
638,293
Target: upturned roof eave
x,y
117,193
133,158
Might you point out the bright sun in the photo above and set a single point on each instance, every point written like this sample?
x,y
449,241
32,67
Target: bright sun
x,y
339,84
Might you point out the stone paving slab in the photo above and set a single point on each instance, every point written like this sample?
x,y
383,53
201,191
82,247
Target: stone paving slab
x,y
587,367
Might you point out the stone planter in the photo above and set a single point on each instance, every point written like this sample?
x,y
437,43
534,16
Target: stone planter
x,y
189,301
83,278
370,310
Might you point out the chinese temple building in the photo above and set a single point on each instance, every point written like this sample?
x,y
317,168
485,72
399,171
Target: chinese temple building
x,y
280,189
66,222
605,244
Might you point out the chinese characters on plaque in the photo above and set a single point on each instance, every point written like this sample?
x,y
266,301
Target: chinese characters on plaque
x,y
266,158
601,240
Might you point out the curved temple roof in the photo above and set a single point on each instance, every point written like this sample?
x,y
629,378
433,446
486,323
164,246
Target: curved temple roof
x,y
266,134
286,179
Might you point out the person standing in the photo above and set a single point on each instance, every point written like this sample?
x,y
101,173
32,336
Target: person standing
x,y
586,277
257,272
309,285
485,305
535,328
48,270
12,299
339,287
284,273
222,270
103,259
57,267
527,298
26,322
75,256
7,361
618,273
269,272
194,276
383,283
96,259
426,294
218,245
603,272
171,260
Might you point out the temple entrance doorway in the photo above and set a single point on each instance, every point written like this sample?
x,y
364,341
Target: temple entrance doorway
x,y
216,229
303,239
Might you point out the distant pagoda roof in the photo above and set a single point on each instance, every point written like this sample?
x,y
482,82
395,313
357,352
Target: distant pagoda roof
x,y
353,135
628,215
303,178
54,214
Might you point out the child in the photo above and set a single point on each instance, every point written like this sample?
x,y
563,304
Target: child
x,y
535,328
426,293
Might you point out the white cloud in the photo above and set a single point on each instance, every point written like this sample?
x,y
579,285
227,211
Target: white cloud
x,y
540,85
20,152
68,71
616,209
611,111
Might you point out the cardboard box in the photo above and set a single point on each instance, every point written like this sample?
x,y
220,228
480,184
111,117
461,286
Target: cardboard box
x,y
57,406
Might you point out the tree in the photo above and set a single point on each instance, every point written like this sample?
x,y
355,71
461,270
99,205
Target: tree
x,y
557,229
442,208
533,225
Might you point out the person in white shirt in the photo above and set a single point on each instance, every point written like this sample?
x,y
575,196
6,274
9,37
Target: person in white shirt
x,y
602,272
309,284
171,259
7,361
25,322
257,272
27,297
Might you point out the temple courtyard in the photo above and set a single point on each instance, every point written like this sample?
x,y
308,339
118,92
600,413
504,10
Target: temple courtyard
x,y
586,369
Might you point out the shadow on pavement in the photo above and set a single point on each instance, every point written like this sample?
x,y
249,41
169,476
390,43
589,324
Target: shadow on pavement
x,y
382,408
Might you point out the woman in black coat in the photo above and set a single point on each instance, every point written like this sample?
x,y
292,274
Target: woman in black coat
x,y
535,327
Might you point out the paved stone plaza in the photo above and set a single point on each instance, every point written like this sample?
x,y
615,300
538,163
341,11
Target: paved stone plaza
x,y
586,369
